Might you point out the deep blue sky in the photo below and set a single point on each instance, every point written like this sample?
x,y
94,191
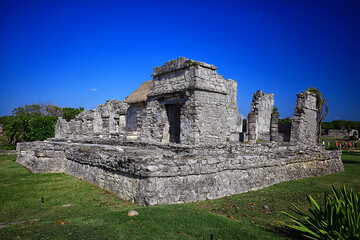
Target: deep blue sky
x,y
82,53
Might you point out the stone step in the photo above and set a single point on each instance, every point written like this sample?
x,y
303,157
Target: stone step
x,y
131,138
131,134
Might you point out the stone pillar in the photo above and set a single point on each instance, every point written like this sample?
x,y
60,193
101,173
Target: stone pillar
x,y
274,130
71,129
84,128
61,128
304,121
105,126
251,127
262,106
78,129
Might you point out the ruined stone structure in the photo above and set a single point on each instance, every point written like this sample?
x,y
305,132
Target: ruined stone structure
x,y
177,139
158,174
304,123
335,133
261,109
106,121
190,103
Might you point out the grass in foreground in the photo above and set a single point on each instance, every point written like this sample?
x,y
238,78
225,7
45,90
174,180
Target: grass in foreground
x,y
74,209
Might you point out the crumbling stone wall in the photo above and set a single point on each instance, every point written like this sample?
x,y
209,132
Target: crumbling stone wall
x,y
208,109
159,174
338,133
304,122
106,121
335,133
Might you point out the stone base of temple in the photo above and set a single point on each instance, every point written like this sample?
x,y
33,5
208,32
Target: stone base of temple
x,y
150,174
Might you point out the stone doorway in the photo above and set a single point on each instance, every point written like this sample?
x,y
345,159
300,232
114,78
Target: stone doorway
x,y
173,114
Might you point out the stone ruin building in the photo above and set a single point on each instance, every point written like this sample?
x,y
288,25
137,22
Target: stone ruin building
x,y
336,133
187,104
179,138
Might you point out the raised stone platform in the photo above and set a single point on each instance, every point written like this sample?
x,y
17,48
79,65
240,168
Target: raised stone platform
x,y
150,174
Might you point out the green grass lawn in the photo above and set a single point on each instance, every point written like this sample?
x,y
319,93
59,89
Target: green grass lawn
x,y
97,214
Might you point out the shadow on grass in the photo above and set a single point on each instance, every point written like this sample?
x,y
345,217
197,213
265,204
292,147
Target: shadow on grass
x,y
286,232
350,162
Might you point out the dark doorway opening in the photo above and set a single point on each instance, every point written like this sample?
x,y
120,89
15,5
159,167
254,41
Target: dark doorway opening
x,y
173,114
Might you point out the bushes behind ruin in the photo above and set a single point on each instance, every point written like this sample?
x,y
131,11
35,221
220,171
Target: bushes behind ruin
x,y
341,125
34,122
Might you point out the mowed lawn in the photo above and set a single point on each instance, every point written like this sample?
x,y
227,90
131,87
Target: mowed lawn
x,y
74,209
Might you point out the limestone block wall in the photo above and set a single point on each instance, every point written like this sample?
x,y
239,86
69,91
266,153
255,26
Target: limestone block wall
x,y
207,102
133,116
158,174
153,121
182,74
338,133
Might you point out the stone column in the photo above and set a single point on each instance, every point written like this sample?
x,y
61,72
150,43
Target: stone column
x,y
274,129
304,121
61,128
262,105
251,127
78,129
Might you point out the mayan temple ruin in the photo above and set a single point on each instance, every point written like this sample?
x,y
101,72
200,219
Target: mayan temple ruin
x,y
180,138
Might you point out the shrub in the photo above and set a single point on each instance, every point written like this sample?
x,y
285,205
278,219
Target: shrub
x,y
339,219
41,128
286,120
71,113
34,122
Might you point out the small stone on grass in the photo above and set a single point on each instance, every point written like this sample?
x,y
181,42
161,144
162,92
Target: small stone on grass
x,y
132,213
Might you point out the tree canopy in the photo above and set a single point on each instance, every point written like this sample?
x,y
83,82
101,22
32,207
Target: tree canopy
x,y
35,122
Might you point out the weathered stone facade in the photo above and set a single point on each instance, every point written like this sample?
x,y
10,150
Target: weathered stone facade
x,y
106,121
177,138
335,133
190,103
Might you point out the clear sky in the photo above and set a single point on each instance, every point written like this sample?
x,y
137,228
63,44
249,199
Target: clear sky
x,y
82,53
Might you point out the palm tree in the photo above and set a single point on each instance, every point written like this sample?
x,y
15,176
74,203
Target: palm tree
x,y
322,108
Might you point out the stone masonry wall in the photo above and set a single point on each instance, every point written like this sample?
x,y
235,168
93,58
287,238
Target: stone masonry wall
x,y
106,121
208,108
338,133
159,174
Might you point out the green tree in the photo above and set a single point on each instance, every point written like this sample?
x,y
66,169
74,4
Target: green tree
x,y
322,108
40,128
286,120
38,110
70,113
16,130
34,122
